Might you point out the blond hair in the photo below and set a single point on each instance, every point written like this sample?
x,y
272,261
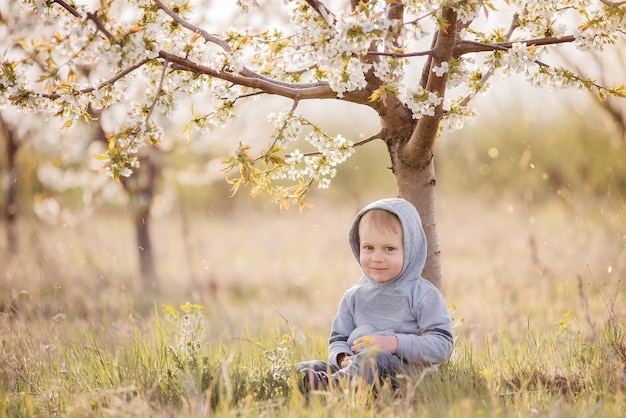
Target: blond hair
x,y
383,220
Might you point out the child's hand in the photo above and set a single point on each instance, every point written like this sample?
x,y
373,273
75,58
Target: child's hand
x,y
345,361
387,343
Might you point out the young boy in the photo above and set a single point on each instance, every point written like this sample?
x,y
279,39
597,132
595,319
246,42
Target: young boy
x,y
391,319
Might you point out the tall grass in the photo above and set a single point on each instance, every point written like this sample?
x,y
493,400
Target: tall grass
x,y
167,369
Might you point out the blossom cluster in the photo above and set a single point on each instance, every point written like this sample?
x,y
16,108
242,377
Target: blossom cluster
x,y
518,58
319,165
422,102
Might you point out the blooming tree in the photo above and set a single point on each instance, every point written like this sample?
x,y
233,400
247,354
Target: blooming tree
x,y
145,56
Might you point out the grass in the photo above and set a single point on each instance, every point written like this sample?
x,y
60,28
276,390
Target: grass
x,y
536,292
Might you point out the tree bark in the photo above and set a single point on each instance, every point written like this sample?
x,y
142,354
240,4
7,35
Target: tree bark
x,y
418,186
10,210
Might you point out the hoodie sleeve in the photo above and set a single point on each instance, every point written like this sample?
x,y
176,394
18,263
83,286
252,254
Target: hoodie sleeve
x,y
434,344
340,331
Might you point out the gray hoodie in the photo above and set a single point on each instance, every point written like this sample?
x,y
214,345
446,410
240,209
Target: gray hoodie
x,y
407,306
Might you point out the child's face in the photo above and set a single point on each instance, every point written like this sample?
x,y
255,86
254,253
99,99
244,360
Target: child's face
x,y
381,251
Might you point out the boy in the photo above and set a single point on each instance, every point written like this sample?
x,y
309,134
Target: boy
x,y
391,319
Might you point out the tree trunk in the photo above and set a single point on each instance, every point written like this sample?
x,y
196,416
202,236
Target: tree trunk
x,y
417,185
147,263
141,188
10,209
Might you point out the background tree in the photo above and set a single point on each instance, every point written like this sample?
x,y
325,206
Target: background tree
x,y
147,55
141,190
613,106
10,207
62,181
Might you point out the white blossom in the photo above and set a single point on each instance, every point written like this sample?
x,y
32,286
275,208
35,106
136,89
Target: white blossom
x,y
441,70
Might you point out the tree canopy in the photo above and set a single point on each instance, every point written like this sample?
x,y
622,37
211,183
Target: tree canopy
x,y
144,57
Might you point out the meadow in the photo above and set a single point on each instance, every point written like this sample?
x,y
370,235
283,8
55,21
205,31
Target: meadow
x,y
536,293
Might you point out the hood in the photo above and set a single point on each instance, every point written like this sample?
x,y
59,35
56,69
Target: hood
x,y
415,248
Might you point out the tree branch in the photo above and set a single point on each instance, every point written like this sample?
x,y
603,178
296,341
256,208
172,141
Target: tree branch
x,y
465,47
417,152
246,77
320,90
429,62
587,83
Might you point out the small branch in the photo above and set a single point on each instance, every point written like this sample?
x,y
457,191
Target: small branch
x,y
429,62
575,77
20,375
67,7
121,74
247,95
323,11
90,16
465,47
356,144
402,54
207,36
159,89
377,135
426,16
282,128
613,3
99,26
112,80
